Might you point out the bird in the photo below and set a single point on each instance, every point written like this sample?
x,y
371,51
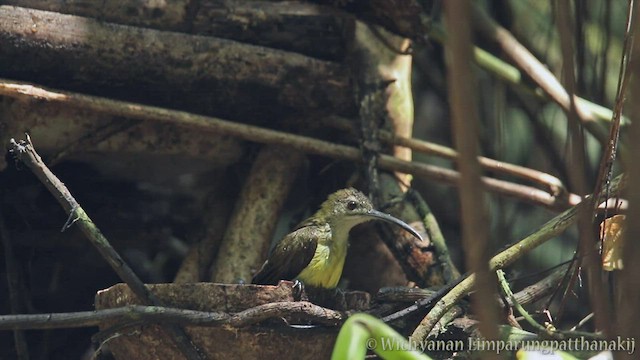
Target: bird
x,y
315,251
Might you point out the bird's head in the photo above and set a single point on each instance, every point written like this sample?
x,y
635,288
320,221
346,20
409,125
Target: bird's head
x,y
349,207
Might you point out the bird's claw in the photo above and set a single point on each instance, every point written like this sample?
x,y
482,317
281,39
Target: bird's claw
x,y
298,291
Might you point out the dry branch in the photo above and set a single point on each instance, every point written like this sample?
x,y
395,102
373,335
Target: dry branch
x,y
542,288
267,136
25,152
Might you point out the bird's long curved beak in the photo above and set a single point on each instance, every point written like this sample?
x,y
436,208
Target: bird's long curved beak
x,y
388,218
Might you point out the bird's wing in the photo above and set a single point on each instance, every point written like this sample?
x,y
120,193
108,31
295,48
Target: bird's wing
x,y
290,256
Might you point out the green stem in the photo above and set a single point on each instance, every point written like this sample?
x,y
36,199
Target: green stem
x,y
504,284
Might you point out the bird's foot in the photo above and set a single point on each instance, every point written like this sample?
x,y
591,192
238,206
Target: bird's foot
x,y
298,291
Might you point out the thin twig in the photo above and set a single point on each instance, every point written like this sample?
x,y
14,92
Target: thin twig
x,y
549,330
424,298
426,302
552,228
513,76
537,71
544,287
514,302
268,136
582,322
550,182
26,153
94,137
450,271
608,157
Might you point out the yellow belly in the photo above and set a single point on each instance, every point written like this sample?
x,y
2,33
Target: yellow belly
x,y
325,268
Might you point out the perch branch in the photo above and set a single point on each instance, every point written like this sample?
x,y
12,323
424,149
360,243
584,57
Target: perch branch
x,y
302,310
309,310
268,136
26,153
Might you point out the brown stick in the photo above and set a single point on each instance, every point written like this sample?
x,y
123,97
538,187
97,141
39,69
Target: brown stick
x,y
627,319
475,215
550,182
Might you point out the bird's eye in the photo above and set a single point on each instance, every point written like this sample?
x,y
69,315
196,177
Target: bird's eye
x,y
352,205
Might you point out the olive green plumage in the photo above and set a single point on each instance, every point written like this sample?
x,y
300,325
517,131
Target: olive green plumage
x,y
315,251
